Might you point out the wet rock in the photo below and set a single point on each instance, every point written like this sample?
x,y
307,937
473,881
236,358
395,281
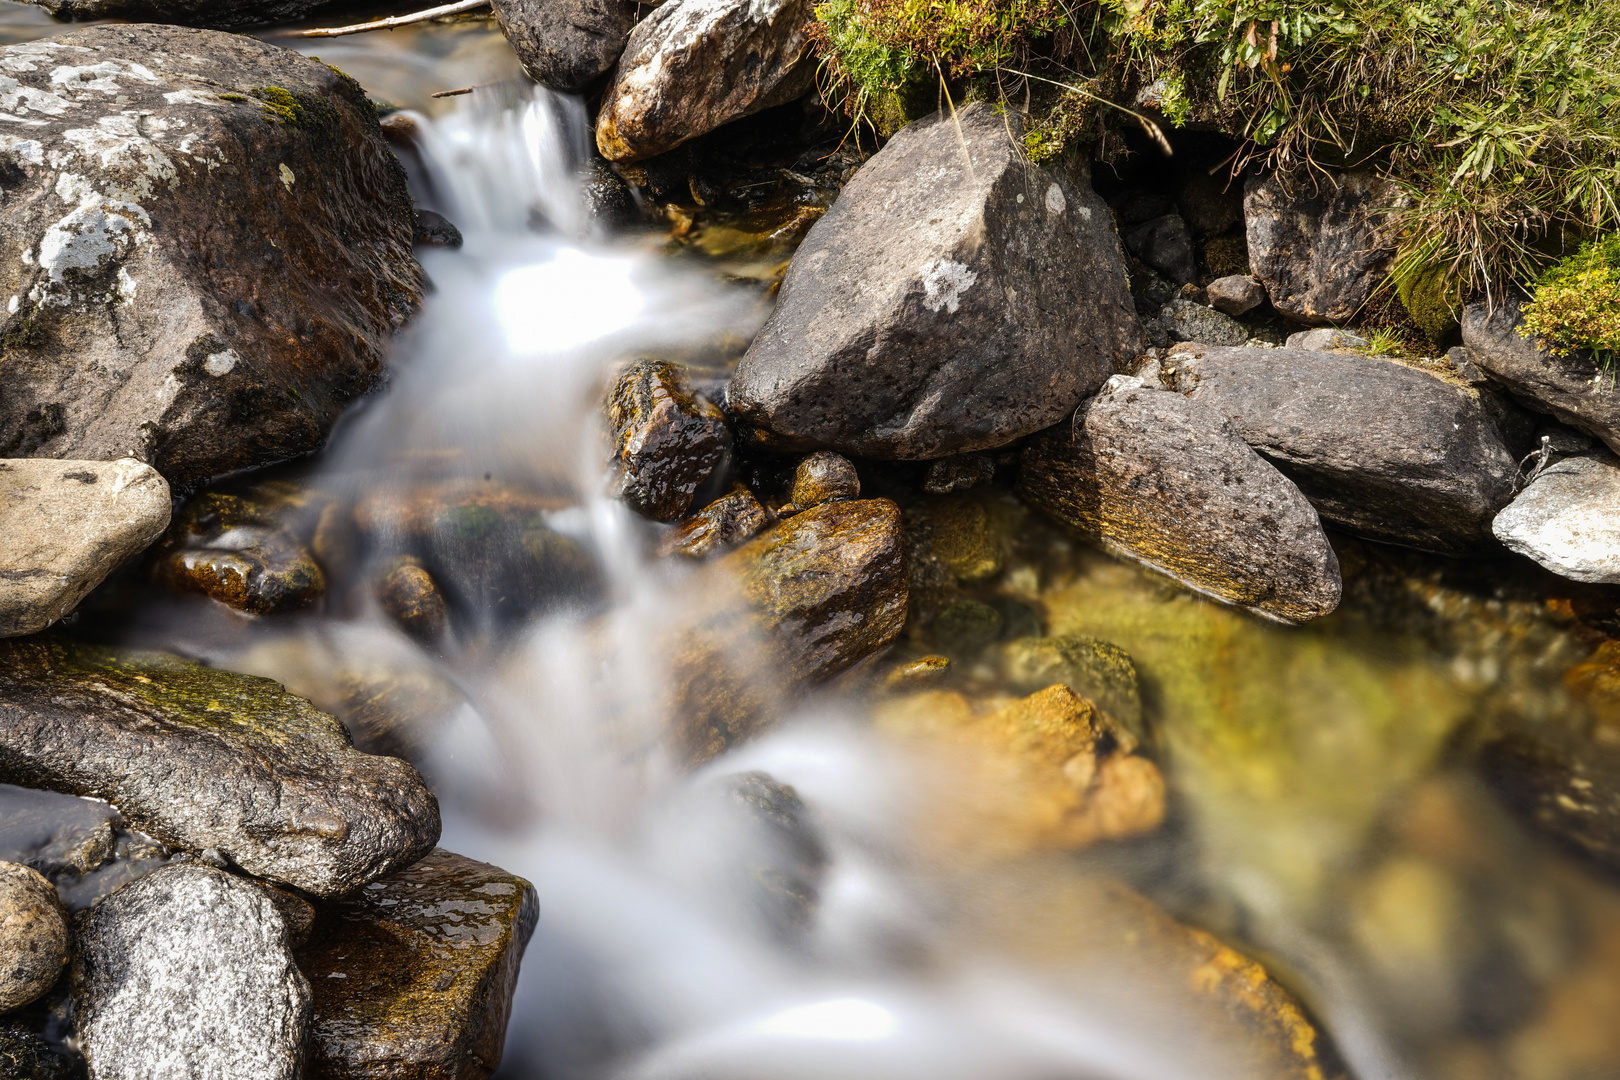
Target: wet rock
x,y
1384,450
188,972
966,627
960,473
957,534
1320,243
211,762
219,14
413,975
27,1055
1573,388
409,595
1162,480
232,548
1166,245
824,477
724,523
1324,340
1091,667
81,846
221,249
433,229
667,441
1185,320
1564,781
1236,294
566,44
693,65
608,199
916,674
1568,519
912,323
34,938
68,524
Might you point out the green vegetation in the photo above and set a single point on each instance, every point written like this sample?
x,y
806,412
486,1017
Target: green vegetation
x,y
1576,303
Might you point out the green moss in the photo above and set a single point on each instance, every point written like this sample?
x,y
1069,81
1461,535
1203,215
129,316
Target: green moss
x,y
308,112
1430,297
1576,303
1226,255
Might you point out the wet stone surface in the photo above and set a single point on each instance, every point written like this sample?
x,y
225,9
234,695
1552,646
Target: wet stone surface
x,y
667,441
81,845
34,937
234,548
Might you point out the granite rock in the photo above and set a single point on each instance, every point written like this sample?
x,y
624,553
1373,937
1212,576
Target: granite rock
x,y
34,937
1568,519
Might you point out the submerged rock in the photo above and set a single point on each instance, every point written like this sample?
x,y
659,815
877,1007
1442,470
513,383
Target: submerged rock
x,y
218,247
1320,243
232,548
667,441
210,761
408,594
724,523
959,473
824,477
1568,519
1384,450
188,972
693,65
81,846
414,974
1091,667
68,524
1162,480
566,44
915,320
34,937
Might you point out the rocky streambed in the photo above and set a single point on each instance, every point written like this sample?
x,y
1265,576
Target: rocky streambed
x,y
902,610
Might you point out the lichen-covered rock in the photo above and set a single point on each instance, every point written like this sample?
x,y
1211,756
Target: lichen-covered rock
x,y
209,245
67,525
34,937
413,975
724,523
1187,320
210,761
566,44
693,65
1568,519
667,441
824,477
232,548
188,973
219,14
915,320
1320,243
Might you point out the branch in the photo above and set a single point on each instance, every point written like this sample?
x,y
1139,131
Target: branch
x,y
398,20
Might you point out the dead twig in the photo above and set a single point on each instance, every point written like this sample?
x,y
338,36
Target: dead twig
x,y
398,20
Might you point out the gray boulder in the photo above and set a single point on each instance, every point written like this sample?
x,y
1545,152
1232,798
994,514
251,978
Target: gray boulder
x,y
566,44
67,525
1572,388
1157,478
213,248
1568,519
34,937
955,298
1165,244
1384,450
1319,243
187,973
1236,294
693,65
1324,339
225,765
1188,320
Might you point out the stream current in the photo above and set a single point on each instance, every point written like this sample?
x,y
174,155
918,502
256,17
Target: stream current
x,y
1325,816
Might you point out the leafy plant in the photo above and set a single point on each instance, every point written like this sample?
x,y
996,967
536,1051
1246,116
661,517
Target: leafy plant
x,y
1576,303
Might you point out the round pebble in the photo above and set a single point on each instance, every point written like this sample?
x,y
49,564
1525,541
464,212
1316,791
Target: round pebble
x,y
824,477
33,935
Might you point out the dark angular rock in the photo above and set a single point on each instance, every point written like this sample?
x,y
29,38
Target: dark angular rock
x,y
824,477
210,761
1162,480
233,549
432,229
667,441
915,320
1386,451
1320,243
960,473
1185,320
218,249
34,937
724,523
1166,245
414,974
566,44
1236,294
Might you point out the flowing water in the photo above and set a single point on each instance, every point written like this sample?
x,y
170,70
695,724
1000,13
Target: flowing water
x,y
896,920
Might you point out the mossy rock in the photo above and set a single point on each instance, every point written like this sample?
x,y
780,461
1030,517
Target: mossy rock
x,y
1429,298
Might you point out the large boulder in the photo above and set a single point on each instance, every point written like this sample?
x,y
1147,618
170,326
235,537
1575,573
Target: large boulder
x,y
955,298
566,44
1384,450
219,14
1167,482
212,762
1320,243
207,246
693,65
188,973
68,524
1568,519
33,935
1573,388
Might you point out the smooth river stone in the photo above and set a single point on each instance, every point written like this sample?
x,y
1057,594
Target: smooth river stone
x,y
66,525
210,762
414,974
34,937
1568,519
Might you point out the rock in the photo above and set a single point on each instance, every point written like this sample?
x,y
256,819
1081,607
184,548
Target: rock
x,y
1189,321
187,972
925,671
1568,519
232,548
413,975
219,14
966,628
1461,360
1384,450
68,524
1210,205
913,322
692,65
566,44
432,229
34,938
27,1055
1573,388
724,523
81,846
1323,340
408,594
956,533
218,248
1236,294
960,473
1320,243
1091,667
667,441
824,477
1167,482
1165,244
211,762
